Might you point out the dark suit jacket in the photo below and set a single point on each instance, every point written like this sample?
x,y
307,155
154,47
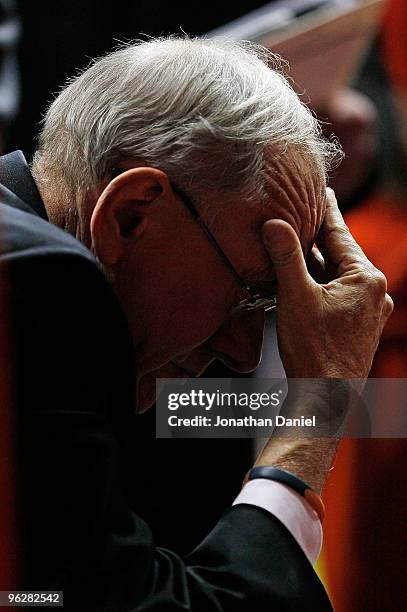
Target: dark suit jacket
x,y
72,358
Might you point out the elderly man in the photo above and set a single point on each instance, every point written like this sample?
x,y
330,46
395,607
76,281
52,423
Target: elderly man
x,y
142,155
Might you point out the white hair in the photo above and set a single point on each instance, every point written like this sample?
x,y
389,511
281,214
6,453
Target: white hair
x,y
204,111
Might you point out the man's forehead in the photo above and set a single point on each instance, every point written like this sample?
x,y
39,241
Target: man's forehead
x,y
296,188
297,198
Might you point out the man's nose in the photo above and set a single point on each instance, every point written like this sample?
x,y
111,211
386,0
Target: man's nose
x,y
239,341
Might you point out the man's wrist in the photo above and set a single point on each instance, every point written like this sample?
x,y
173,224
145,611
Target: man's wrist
x,y
309,453
308,458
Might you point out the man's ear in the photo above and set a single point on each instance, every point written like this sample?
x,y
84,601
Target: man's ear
x,y
120,215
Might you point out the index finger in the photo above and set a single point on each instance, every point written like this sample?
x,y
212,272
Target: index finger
x,y
335,241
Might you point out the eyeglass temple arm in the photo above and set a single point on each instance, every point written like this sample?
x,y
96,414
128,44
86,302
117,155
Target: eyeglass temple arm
x,y
195,214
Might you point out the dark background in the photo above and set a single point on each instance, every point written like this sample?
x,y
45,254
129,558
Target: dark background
x,y
60,37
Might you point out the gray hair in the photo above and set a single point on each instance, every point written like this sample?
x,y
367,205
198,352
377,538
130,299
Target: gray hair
x,y
206,112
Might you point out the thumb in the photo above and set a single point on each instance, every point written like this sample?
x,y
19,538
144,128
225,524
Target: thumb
x,y
284,249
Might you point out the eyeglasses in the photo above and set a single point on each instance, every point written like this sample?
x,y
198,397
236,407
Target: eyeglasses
x,y
260,296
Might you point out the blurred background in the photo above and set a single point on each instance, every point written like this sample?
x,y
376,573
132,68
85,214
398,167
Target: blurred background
x,y
364,559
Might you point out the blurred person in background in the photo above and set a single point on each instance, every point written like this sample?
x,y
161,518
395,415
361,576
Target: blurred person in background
x,y
369,473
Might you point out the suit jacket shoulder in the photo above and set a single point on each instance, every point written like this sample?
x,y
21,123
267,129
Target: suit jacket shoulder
x,y
23,233
64,316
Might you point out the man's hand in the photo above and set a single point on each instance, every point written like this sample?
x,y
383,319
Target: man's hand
x,y
328,330
331,329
